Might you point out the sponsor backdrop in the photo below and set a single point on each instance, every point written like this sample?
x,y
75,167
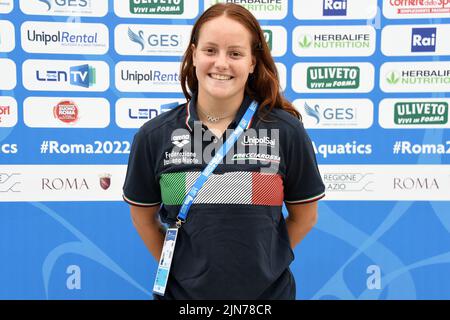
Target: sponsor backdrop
x,y
370,77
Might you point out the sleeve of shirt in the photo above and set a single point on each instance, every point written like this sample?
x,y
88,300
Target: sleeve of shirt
x,y
303,182
141,187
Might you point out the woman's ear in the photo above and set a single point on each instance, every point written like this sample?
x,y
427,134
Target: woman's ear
x,y
194,54
253,65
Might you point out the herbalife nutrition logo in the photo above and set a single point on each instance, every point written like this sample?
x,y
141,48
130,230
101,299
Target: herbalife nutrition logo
x,y
412,77
157,7
420,113
334,41
331,77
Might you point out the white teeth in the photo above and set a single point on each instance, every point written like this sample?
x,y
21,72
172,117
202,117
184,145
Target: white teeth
x,y
220,77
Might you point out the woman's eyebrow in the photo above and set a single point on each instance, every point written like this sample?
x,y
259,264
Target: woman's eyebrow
x,y
213,44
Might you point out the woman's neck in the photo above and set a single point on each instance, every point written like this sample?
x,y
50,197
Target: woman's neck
x,y
219,107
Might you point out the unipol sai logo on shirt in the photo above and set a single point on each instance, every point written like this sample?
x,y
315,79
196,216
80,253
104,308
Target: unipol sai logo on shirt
x,y
423,40
334,7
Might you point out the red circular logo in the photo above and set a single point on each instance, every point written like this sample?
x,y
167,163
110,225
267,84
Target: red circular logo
x,y
66,111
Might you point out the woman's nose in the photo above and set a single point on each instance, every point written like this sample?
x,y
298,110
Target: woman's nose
x,y
221,61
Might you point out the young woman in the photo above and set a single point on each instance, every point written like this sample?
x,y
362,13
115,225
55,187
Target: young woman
x,y
235,242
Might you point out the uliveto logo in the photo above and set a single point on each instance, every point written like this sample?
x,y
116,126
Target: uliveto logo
x,y
423,40
157,7
331,77
334,7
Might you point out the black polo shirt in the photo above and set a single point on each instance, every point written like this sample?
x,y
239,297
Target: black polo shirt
x,y
234,244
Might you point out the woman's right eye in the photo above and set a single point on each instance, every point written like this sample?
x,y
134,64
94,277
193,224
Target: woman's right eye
x,y
209,50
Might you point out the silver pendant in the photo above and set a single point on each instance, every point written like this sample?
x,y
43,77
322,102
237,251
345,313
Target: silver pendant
x,y
212,119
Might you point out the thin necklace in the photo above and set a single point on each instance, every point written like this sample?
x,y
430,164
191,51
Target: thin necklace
x,y
211,118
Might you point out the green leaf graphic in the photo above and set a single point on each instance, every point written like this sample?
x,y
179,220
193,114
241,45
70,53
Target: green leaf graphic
x,y
392,79
305,43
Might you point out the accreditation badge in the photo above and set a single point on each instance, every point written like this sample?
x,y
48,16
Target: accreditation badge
x,y
162,274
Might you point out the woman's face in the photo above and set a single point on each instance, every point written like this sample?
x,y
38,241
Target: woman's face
x,y
223,59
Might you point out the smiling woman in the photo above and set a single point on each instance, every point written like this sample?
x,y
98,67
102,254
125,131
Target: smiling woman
x,y
235,243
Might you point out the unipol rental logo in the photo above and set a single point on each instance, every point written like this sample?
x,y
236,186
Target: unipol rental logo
x,y
7,42
58,112
312,41
165,9
415,76
65,75
335,9
136,76
423,40
7,67
398,9
64,38
261,9
336,113
408,40
79,8
6,6
414,113
167,40
332,77
8,112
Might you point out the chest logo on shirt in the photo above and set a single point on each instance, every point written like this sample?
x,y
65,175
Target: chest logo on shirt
x,y
181,140
255,141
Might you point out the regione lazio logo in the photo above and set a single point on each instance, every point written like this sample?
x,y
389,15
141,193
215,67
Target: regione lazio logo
x,y
423,40
334,7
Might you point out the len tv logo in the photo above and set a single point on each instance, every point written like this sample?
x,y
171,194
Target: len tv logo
x,y
334,7
83,76
423,40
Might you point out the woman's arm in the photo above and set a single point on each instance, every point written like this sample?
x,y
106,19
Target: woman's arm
x,y
146,222
301,219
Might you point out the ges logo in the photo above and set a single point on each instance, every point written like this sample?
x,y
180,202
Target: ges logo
x,y
423,40
66,3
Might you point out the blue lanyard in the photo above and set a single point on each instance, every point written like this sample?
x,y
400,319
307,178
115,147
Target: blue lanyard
x,y
224,148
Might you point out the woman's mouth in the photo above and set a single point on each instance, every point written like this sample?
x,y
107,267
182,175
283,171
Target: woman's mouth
x,y
220,76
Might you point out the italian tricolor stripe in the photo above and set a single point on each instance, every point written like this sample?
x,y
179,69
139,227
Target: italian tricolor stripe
x,y
238,187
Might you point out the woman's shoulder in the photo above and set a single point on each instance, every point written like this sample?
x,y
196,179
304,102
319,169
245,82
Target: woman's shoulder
x,y
282,119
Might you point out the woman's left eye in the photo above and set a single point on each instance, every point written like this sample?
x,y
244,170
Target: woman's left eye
x,y
235,54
